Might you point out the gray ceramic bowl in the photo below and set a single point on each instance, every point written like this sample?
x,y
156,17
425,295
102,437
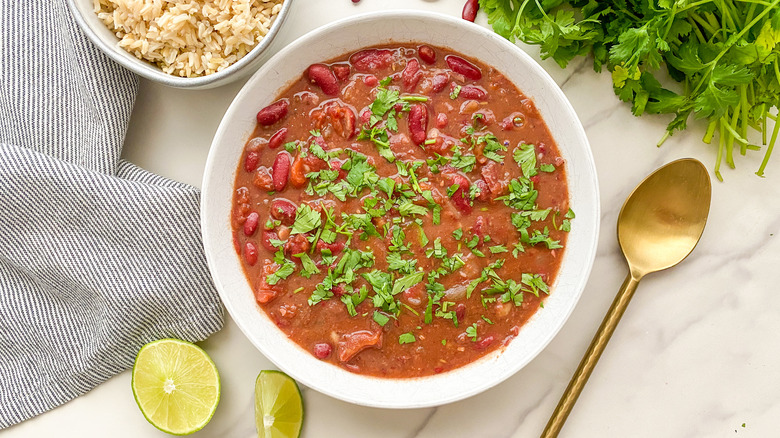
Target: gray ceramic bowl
x,y
104,39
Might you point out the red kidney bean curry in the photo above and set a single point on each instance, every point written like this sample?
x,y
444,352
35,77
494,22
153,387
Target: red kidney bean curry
x,y
401,211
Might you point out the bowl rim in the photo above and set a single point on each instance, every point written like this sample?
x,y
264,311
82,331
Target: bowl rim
x,y
132,63
311,379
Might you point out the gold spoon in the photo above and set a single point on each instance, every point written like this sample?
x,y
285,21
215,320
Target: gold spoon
x,y
659,225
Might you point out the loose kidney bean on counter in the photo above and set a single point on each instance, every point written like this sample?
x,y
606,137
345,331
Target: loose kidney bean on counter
x,y
470,10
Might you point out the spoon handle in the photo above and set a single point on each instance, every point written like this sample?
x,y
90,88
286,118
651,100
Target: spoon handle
x,y
591,357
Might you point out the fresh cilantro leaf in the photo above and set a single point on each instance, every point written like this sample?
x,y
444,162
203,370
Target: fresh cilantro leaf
x,y
525,156
306,219
406,338
471,331
280,274
457,234
381,318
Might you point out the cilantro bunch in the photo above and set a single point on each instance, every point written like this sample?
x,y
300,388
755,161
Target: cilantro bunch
x,y
724,54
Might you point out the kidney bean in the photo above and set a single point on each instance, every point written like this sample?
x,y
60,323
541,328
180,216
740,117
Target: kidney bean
x,y
411,75
460,311
297,244
278,138
250,253
472,92
439,81
321,75
441,120
337,165
284,210
273,112
371,80
460,197
281,171
250,226
323,350
470,10
427,54
265,239
251,161
298,173
418,123
495,178
483,343
478,229
460,65
484,190
367,61
365,117
335,247
341,71
338,290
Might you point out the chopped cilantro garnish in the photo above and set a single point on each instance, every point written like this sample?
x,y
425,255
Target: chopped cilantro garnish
x,y
384,101
463,162
487,320
525,156
547,168
283,272
471,331
406,338
498,249
407,281
306,219
308,266
492,148
381,318
454,93
457,234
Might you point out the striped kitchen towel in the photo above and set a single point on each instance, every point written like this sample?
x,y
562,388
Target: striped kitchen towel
x,y
97,256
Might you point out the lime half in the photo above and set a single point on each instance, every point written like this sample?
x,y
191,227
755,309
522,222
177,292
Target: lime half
x,y
176,385
278,406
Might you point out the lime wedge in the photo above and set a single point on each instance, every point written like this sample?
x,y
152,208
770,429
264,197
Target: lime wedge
x,y
278,406
176,385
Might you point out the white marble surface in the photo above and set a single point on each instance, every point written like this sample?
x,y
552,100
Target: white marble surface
x,y
696,355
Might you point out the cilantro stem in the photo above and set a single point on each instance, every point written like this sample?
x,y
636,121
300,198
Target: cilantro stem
x,y
721,146
771,146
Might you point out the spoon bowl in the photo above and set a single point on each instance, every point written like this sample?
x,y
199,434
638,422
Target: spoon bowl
x,y
663,219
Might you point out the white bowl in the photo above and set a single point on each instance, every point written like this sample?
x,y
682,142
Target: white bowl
x,y
335,40
105,40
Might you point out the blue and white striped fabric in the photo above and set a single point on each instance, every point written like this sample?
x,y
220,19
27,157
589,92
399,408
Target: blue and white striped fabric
x,y
97,256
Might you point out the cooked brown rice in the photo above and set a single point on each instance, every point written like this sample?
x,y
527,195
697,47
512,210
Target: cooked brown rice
x,y
188,37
